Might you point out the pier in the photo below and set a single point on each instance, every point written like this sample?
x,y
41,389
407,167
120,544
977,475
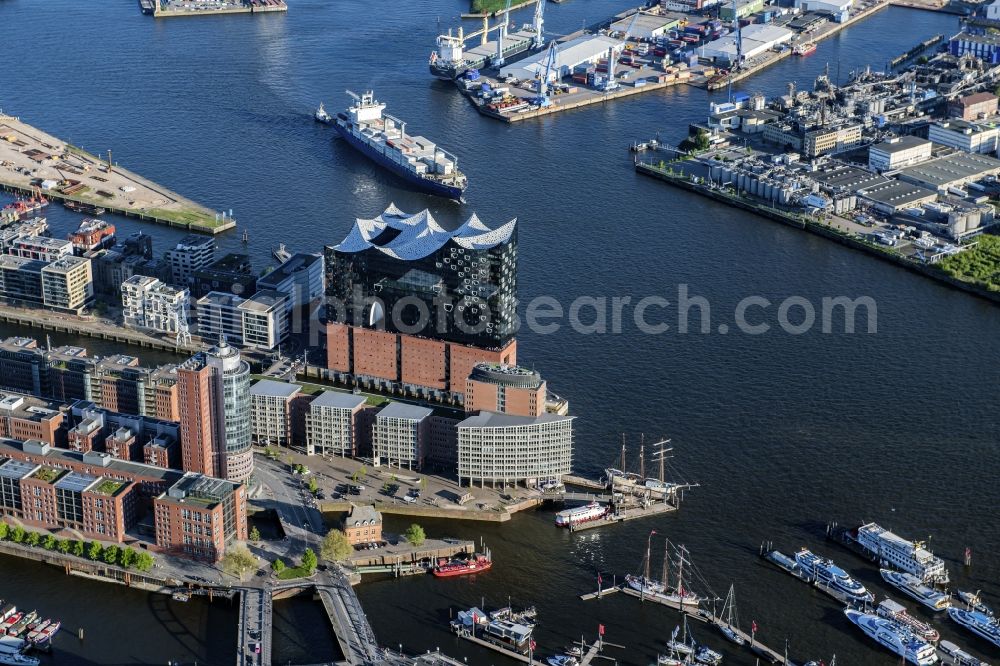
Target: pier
x,y
33,163
829,29
174,8
701,615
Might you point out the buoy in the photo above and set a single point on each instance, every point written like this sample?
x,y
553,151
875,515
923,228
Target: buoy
x,y
79,633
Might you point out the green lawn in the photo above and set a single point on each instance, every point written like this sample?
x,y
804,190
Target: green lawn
x,y
292,573
980,264
185,217
490,6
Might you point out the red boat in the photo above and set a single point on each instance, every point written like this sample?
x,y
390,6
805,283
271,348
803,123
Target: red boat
x,y
462,567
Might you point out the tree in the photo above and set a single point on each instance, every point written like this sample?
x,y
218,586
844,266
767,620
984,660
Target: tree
x,y
49,543
701,140
33,538
415,534
63,546
238,560
17,534
143,561
254,534
309,561
313,486
78,548
278,566
4,530
94,551
335,546
111,554
127,557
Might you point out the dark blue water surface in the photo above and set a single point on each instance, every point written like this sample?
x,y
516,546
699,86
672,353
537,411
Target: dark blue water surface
x,y
783,432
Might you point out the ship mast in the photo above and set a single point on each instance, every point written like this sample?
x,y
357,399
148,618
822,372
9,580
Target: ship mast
x,y
622,468
649,544
680,571
642,457
666,565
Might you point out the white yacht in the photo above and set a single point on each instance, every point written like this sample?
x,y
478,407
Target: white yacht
x,y
911,585
894,637
827,574
977,622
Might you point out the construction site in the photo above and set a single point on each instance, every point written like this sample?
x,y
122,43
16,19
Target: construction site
x,y
36,164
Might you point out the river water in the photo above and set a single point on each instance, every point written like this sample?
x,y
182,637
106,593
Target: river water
x,y
783,432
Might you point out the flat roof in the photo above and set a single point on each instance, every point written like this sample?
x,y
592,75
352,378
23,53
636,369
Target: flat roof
x,y
901,143
950,168
499,420
16,469
976,98
266,300
402,410
271,388
297,262
76,482
898,194
645,21
338,399
56,456
843,176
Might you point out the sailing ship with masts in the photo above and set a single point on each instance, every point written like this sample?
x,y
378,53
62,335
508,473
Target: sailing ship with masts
x,y
662,590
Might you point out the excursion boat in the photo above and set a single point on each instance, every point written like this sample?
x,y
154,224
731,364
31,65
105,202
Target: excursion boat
x,y
25,623
448,568
824,572
322,116
581,514
46,634
958,656
18,659
896,638
973,601
10,622
383,139
35,633
895,611
979,623
912,586
909,556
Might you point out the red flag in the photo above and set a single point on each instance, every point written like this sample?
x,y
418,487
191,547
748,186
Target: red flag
x,y
753,626
599,579
533,645
600,629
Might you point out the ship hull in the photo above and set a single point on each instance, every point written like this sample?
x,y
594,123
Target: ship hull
x,y
424,184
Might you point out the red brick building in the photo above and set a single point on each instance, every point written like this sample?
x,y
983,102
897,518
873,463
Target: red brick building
x,y
54,498
973,107
199,515
363,524
24,417
506,389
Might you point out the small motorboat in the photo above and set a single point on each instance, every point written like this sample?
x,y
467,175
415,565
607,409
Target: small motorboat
x,y
322,116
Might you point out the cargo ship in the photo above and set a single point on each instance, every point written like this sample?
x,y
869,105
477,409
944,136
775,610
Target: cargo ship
x,y
383,139
473,565
450,60
581,514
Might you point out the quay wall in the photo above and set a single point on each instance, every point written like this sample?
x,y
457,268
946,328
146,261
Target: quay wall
x,y
51,321
822,230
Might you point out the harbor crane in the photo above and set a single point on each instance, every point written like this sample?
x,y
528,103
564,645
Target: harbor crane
x,y
501,35
543,83
538,24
